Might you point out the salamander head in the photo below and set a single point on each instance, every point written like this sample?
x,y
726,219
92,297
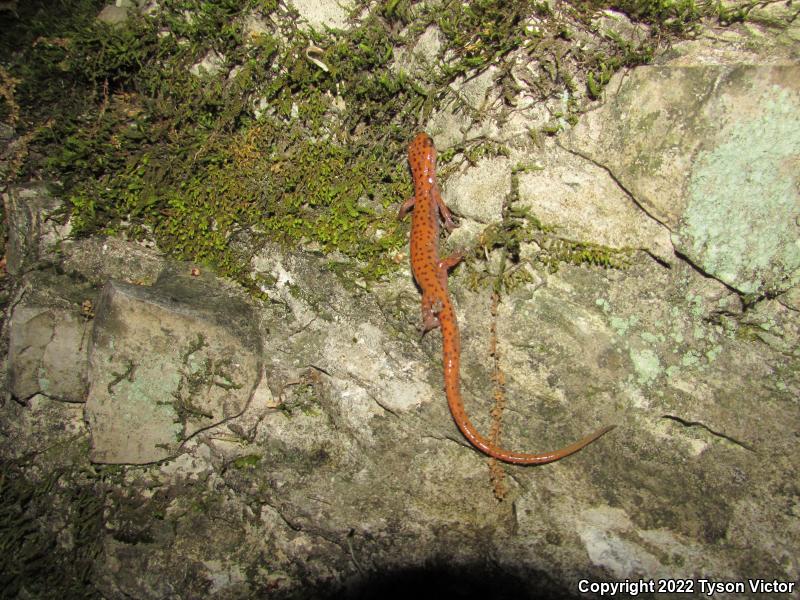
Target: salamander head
x,y
422,141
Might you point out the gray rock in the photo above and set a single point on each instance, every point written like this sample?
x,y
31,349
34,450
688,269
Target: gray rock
x,y
113,15
210,65
417,60
47,354
616,25
478,193
323,13
49,334
34,233
47,426
712,153
99,259
166,362
586,204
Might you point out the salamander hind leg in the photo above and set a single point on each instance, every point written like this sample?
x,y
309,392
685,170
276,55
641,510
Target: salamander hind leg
x,y
430,310
447,263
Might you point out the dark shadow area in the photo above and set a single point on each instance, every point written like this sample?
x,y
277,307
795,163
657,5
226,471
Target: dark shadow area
x,y
452,583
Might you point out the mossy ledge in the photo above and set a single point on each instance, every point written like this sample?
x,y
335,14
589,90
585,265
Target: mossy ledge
x,y
265,144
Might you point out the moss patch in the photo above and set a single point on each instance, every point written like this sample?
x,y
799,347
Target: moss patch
x,y
265,145
50,532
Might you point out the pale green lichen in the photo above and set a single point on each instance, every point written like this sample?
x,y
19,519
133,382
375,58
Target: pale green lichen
x,y
646,364
652,338
698,332
690,359
604,304
713,353
621,325
741,219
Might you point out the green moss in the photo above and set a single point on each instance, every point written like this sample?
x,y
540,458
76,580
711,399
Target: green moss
x,y
302,398
36,515
483,31
246,462
198,373
667,16
557,251
144,148
520,226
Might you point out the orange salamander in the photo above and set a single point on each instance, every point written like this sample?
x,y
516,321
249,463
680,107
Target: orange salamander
x,y
430,273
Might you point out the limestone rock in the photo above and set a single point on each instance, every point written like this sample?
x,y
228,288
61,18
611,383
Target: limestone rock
x,y
99,259
33,231
166,362
46,355
422,56
49,337
211,64
479,192
712,152
322,14
113,15
586,204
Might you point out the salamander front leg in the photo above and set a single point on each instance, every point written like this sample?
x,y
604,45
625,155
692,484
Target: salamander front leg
x,y
448,262
445,213
406,206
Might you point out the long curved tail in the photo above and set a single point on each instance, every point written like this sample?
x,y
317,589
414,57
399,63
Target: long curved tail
x,y
451,355
519,458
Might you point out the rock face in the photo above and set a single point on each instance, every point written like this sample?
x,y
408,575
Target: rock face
x,y
166,362
33,230
713,153
48,345
49,332
172,437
